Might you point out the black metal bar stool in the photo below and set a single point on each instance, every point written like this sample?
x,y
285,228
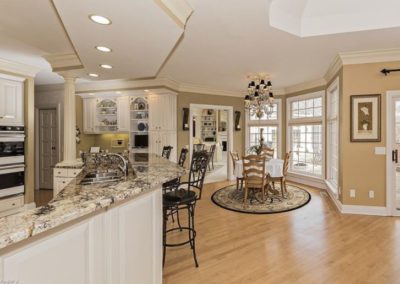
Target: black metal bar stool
x,y
184,198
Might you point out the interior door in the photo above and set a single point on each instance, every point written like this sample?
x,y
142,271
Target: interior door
x,y
394,152
48,152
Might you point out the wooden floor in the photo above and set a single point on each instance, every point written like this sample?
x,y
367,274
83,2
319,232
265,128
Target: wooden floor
x,y
313,244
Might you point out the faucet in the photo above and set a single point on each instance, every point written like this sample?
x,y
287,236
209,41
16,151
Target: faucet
x,y
124,169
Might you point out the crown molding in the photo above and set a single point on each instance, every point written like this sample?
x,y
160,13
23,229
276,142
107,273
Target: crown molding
x,y
64,62
178,10
334,68
17,68
305,86
370,56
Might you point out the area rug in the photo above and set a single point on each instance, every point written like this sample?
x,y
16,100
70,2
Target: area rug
x,y
231,199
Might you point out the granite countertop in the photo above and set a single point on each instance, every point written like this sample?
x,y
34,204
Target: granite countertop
x,y
76,200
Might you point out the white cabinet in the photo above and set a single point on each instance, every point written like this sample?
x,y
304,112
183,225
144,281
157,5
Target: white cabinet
x,y
123,117
162,112
159,139
89,107
11,102
122,245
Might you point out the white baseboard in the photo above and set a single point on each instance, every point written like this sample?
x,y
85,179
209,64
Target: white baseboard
x,y
365,210
310,181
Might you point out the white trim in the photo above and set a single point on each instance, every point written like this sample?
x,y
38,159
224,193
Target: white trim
x,y
321,82
334,68
390,193
64,61
18,68
364,210
307,180
370,56
178,10
230,175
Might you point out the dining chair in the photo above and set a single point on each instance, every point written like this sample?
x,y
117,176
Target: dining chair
x,y
254,175
235,158
282,179
166,152
267,152
211,153
198,147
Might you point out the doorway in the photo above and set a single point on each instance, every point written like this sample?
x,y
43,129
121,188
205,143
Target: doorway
x,y
210,127
393,153
48,142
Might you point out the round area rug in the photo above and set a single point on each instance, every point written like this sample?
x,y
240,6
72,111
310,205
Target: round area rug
x,y
232,199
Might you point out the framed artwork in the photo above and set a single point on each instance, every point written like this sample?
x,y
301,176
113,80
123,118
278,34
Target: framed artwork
x,y
365,118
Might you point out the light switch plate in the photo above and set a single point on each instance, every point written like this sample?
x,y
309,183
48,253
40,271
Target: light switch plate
x,y
380,150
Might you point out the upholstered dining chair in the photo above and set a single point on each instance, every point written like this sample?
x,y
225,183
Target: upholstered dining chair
x,y
267,152
282,179
235,158
254,175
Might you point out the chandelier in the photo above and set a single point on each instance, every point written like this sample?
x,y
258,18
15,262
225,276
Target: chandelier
x,y
259,100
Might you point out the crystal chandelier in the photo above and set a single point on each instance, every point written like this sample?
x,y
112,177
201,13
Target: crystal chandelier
x,y
259,100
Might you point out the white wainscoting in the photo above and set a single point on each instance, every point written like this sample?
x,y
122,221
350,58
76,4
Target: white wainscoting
x,y
120,246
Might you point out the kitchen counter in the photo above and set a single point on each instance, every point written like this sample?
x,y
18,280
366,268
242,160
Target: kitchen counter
x,y
76,201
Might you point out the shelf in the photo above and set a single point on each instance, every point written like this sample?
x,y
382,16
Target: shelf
x,y
107,107
142,119
139,110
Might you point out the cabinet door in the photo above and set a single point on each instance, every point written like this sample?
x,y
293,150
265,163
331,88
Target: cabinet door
x,y
123,114
168,113
168,138
154,142
89,110
11,102
154,112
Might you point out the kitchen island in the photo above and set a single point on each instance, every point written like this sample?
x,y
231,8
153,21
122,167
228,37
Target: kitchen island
x,y
98,233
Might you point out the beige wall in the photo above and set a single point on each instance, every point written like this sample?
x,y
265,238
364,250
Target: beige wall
x,y
184,101
362,170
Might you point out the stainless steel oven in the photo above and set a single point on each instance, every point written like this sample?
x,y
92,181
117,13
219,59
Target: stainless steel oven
x,y
12,180
12,167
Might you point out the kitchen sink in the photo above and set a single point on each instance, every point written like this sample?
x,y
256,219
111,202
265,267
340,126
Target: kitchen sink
x,y
101,177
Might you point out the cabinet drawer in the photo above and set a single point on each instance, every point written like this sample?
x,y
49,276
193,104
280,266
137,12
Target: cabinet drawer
x,y
73,172
60,172
11,203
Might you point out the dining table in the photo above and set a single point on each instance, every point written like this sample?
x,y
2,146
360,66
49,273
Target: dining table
x,y
273,167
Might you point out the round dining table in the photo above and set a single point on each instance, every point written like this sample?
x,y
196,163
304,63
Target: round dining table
x,y
273,167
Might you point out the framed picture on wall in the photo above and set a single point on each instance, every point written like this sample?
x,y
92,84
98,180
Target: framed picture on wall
x,y
365,118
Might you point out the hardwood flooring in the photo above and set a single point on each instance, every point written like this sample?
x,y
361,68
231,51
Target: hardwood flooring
x,y
313,244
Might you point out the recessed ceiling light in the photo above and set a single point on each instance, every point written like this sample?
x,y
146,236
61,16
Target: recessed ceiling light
x,y
106,66
100,19
146,91
118,92
103,49
93,75
91,94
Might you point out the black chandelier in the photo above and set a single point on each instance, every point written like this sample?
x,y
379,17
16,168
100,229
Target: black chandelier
x,y
259,99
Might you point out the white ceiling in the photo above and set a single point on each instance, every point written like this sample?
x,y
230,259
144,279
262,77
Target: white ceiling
x,y
224,41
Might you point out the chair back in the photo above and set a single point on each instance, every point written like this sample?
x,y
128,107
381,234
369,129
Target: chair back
x,y
235,158
198,147
166,152
182,157
286,163
267,152
254,171
211,150
198,169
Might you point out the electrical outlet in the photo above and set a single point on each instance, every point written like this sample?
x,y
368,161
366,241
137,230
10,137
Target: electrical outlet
x,y
352,193
371,194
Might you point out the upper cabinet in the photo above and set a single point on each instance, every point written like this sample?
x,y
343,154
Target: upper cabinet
x,y
162,112
106,115
89,115
11,102
123,118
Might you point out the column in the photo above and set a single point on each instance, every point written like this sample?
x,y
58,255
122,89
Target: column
x,y
69,119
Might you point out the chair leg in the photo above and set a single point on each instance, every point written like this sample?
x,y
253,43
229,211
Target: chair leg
x,y
241,184
192,233
245,195
237,184
282,189
179,221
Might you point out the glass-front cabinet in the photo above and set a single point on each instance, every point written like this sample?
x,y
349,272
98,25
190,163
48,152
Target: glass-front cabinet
x,y
139,116
106,115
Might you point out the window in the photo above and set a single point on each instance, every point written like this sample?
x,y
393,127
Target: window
x,y
305,134
332,125
272,129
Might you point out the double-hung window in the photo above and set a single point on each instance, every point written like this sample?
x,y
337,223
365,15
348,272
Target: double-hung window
x,y
271,123
305,132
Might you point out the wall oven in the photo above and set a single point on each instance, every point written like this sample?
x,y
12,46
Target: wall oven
x,y
12,167
12,180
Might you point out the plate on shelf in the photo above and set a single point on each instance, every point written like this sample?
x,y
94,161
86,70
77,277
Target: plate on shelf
x,y
141,126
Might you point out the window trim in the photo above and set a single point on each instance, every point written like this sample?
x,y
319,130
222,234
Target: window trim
x,y
301,121
334,86
276,122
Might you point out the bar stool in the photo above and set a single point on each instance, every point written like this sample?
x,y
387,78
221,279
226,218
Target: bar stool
x,y
184,198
